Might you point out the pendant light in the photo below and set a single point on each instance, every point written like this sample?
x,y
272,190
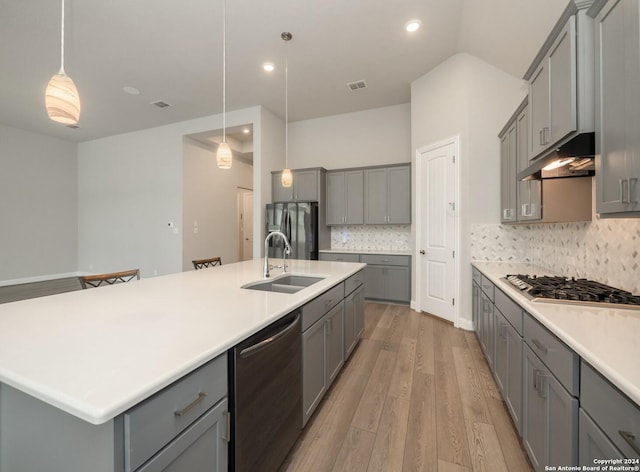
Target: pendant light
x,y
224,158
286,179
61,97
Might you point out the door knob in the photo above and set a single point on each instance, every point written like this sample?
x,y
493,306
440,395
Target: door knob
x,y
422,251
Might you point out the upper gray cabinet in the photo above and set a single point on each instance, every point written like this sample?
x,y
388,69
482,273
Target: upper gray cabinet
x,y
306,186
561,83
520,200
345,197
617,107
387,192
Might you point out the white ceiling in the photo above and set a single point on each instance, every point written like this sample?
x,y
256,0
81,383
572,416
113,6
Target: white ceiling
x,y
172,50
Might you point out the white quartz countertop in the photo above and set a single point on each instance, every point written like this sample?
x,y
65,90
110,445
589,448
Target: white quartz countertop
x,y
389,252
95,353
607,338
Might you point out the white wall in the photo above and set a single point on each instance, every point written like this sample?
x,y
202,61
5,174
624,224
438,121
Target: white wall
x,y
130,186
468,97
210,199
38,200
371,137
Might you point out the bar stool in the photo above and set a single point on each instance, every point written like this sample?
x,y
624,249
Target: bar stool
x,y
204,263
109,279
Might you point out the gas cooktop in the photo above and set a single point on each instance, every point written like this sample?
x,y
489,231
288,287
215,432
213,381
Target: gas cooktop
x,y
557,289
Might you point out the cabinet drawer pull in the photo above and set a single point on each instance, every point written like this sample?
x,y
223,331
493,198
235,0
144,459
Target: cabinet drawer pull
x,y
630,438
328,302
190,406
621,185
540,346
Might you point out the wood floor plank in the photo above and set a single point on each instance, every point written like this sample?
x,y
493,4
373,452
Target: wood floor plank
x,y
388,449
514,455
444,466
402,376
412,326
450,426
489,386
363,357
473,402
373,312
370,407
486,453
355,452
425,356
458,338
420,451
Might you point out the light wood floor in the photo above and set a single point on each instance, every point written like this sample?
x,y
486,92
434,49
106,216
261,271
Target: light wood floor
x,y
416,395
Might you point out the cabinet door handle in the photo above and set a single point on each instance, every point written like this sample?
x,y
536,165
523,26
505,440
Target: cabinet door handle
x,y
635,182
630,438
540,346
503,330
621,185
190,406
545,134
541,384
540,136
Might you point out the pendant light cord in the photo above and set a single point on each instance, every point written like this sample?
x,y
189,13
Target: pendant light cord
x,y
286,111
224,70
62,43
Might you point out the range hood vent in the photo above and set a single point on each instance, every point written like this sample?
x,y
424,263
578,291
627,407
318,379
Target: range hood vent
x,y
581,148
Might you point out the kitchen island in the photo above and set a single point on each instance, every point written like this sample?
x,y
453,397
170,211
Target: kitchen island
x,y
95,354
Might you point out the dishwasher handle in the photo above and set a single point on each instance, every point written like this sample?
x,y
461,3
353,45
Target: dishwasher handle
x,y
251,350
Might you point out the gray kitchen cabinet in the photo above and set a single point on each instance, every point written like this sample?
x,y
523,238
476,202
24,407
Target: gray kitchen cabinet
x,y
308,186
335,342
345,197
339,256
550,416
508,194
314,376
560,80
323,340
387,192
322,358
508,365
475,304
592,442
387,277
617,59
486,331
529,193
616,419
353,315
182,425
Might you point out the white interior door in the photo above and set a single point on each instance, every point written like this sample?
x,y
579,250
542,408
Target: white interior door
x,y
247,225
436,232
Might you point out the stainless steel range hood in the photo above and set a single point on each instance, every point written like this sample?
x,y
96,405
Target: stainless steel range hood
x,y
575,158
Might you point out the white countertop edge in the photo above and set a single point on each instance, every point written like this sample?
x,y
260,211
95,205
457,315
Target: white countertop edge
x,y
93,414
388,252
609,371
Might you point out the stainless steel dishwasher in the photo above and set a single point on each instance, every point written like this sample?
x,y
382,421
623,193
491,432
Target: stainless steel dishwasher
x,y
265,382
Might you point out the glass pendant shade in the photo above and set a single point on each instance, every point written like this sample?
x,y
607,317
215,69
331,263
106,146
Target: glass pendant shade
x,y
62,100
224,157
286,178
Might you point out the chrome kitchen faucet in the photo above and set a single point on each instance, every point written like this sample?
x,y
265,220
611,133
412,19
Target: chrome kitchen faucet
x,y
285,252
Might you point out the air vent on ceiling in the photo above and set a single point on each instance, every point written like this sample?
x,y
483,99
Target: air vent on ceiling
x,y
161,104
358,84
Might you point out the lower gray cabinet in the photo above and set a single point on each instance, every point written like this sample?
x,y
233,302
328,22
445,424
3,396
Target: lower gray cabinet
x,y
388,283
353,319
593,443
550,419
508,366
322,358
203,446
486,330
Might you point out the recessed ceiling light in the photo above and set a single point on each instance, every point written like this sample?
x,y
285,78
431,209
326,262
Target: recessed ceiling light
x,y
246,131
268,66
412,25
131,90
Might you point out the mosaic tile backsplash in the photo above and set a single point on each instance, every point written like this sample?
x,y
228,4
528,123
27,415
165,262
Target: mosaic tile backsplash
x,y
380,237
606,250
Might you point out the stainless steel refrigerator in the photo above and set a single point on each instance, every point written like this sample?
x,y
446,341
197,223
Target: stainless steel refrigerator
x,y
299,222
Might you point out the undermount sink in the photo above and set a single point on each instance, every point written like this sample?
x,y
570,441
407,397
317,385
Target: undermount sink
x,y
284,284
